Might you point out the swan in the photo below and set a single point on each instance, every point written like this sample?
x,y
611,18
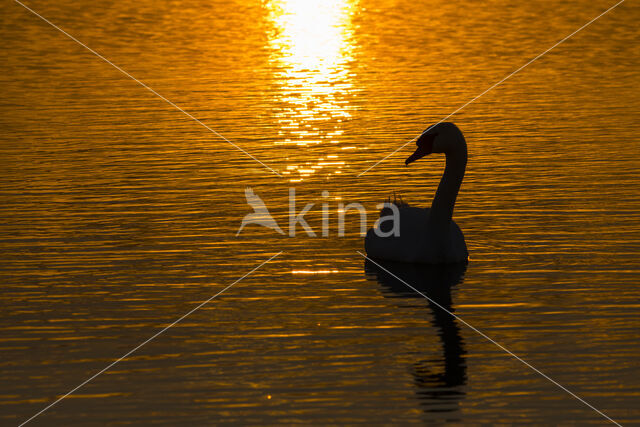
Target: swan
x,y
427,235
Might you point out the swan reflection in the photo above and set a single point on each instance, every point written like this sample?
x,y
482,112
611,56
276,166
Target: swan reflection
x,y
439,391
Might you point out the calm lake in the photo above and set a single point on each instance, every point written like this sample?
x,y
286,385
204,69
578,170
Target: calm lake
x,y
119,213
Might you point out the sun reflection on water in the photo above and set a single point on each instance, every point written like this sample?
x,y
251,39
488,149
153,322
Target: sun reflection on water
x,y
312,48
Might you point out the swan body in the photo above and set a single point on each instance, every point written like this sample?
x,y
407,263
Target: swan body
x,y
417,243
428,235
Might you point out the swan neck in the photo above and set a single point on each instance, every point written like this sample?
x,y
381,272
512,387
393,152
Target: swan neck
x,y
445,199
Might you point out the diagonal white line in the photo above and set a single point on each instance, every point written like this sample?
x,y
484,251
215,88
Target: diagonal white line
x,y
143,85
495,84
144,342
501,347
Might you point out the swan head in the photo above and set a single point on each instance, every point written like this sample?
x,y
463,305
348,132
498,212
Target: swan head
x,y
443,137
425,146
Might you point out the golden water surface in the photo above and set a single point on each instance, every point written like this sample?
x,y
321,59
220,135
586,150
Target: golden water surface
x,y
119,212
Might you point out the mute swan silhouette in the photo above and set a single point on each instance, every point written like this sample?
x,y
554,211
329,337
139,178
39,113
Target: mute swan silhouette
x,y
428,235
260,215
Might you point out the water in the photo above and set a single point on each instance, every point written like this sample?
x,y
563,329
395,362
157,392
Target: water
x,y
120,213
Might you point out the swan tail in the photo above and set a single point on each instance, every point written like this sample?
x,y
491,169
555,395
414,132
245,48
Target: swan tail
x,y
397,200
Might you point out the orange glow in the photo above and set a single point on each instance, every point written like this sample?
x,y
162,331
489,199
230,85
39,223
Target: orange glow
x,y
314,271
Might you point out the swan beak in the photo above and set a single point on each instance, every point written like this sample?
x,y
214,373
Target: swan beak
x,y
425,147
415,156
